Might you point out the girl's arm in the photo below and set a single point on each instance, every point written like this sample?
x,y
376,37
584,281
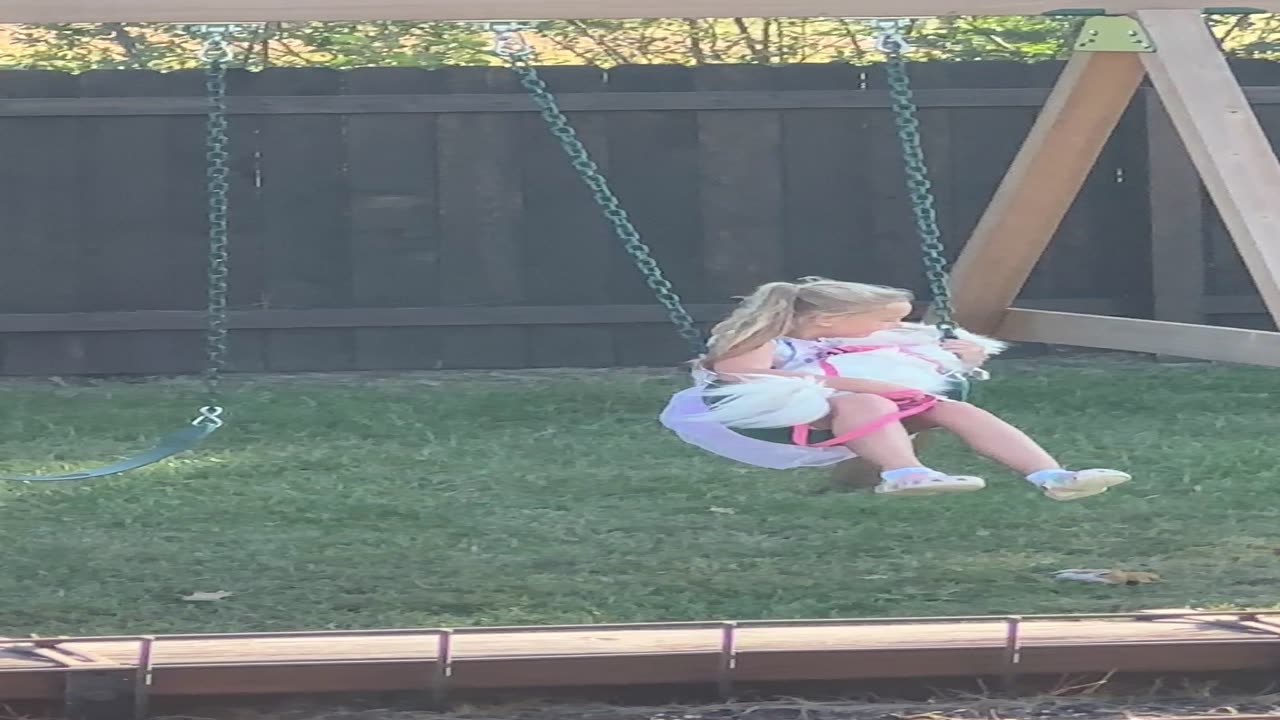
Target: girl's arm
x,y
759,361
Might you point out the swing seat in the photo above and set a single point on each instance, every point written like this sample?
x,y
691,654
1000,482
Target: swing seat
x,y
168,446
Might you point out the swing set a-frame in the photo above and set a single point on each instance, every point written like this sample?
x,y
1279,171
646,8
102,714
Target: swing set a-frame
x,y
1122,42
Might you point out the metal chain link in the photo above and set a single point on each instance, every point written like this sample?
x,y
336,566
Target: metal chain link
x,y
216,53
510,45
891,41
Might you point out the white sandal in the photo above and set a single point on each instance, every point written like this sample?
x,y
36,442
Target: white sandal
x,y
1083,483
932,483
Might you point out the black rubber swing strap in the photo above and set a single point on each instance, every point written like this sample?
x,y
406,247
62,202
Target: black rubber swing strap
x,y
168,446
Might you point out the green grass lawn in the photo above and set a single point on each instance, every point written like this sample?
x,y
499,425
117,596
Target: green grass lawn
x,y
529,498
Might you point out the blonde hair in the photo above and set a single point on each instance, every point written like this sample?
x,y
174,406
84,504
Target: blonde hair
x,y
777,308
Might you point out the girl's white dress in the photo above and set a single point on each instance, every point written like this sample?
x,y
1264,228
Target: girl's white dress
x,y
706,414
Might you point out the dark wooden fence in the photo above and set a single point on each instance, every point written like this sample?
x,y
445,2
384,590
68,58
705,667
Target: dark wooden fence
x,y
398,218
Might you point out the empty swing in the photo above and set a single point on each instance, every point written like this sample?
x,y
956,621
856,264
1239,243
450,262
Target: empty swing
x,y
215,54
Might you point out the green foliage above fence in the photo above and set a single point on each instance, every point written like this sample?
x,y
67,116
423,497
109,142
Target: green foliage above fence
x,y
770,41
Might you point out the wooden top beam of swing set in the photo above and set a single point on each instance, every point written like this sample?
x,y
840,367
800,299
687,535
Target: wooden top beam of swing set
x,y
215,11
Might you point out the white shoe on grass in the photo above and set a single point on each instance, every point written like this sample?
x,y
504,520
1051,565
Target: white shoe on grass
x,y
929,483
1074,485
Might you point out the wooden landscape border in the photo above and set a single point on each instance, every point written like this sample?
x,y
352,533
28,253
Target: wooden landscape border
x,y
720,654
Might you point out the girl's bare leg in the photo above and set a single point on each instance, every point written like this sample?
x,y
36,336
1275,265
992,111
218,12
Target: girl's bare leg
x,y
890,448
1006,444
991,436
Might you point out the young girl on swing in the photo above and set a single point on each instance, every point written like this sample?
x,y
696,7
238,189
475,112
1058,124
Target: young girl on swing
x,y
820,371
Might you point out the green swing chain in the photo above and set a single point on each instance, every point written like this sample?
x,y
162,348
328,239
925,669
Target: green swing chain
x,y
893,44
216,54
511,46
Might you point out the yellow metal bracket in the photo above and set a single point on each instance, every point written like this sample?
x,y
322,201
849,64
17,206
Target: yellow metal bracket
x,y
1113,33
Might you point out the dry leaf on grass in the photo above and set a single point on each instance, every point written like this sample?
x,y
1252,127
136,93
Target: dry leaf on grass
x,y
1108,577
207,596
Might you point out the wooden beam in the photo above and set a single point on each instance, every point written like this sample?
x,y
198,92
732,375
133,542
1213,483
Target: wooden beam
x,y
1223,137
1043,181
1235,345
59,11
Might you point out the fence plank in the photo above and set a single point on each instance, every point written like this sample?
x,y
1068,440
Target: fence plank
x,y
481,198
38,176
129,219
248,231
568,244
653,164
823,158
741,189
887,247
305,221
391,166
740,155
1176,199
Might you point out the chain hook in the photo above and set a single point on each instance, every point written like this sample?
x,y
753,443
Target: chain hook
x,y
509,42
211,416
892,36
217,42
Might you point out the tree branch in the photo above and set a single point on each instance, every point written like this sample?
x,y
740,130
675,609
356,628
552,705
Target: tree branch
x,y
614,54
127,42
752,48
695,42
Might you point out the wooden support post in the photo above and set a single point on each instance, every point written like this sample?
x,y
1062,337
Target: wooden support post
x,y
1086,104
1223,137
